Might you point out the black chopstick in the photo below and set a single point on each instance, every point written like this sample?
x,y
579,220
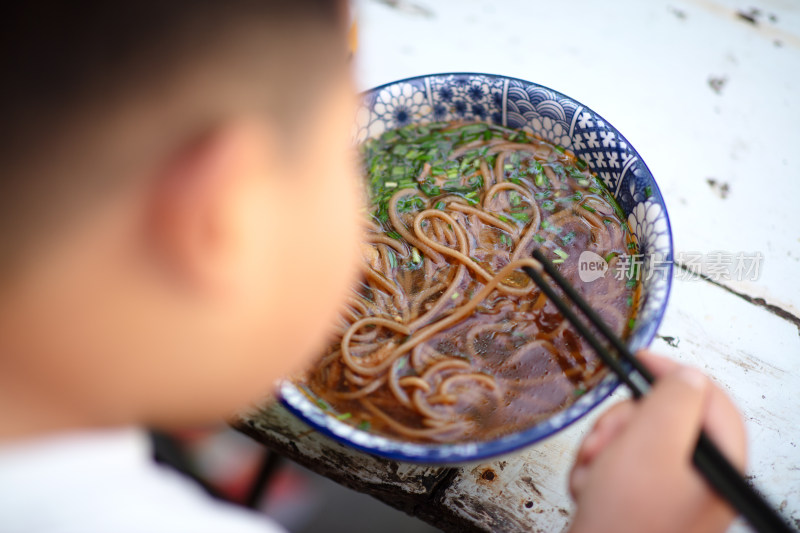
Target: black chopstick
x,y
720,474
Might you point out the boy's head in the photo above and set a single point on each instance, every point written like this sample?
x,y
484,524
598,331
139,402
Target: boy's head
x,y
178,204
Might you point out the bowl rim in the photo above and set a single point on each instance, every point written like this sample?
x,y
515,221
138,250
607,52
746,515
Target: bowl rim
x,y
454,453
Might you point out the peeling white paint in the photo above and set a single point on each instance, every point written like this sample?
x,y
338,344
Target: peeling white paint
x,y
646,69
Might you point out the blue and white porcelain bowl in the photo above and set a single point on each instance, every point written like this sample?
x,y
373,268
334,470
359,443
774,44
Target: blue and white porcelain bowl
x,y
557,118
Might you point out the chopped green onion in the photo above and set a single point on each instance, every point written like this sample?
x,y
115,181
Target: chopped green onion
x,y
439,205
614,204
631,323
344,416
589,208
548,205
416,258
521,217
505,239
568,238
473,128
322,404
429,188
561,253
581,164
394,235
364,425
610,256
538,238
560,148
504,218
392,259
390,184
454,296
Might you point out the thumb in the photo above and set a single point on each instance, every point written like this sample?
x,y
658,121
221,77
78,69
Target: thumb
x,y
669,419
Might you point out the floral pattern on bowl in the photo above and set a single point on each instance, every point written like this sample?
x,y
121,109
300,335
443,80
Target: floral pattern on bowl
x,y
559,119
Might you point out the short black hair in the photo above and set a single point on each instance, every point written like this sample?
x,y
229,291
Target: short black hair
x,y
60,61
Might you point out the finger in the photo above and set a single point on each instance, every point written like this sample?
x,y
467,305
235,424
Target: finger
x,y
577,480
605,429
721,421
669,418
657,364
724,426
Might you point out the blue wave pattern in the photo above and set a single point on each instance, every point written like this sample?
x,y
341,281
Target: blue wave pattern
x,y
557,118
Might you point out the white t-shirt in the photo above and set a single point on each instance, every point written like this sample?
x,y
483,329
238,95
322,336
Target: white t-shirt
x,y
107,482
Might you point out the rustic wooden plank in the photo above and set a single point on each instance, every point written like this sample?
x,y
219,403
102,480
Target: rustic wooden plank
x,y
512,493
527,491
274,426
754,356
414,489
621,59
742,135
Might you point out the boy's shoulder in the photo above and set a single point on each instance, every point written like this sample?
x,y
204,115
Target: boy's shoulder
x,y
103,481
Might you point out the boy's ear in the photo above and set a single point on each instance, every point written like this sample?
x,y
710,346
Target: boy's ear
x,y
193,223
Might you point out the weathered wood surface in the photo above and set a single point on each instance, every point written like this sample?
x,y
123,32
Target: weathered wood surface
x,y
710,101
527,491
519,492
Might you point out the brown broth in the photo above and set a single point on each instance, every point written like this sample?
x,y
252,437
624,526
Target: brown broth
x,y
510,362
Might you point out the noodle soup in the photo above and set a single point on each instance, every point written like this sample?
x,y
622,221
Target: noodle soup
x,y
445,339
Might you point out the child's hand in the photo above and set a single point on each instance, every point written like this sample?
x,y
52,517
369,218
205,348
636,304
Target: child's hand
x,y
634,470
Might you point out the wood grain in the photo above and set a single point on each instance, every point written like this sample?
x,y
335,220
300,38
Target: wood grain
x,y
645,66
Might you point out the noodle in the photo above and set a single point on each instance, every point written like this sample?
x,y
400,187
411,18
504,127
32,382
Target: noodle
x,y
446,339
400,227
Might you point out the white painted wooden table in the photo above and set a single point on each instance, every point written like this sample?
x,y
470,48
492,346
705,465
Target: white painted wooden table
x,y
709,99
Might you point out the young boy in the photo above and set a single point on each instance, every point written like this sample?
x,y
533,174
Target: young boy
x,y
180,219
